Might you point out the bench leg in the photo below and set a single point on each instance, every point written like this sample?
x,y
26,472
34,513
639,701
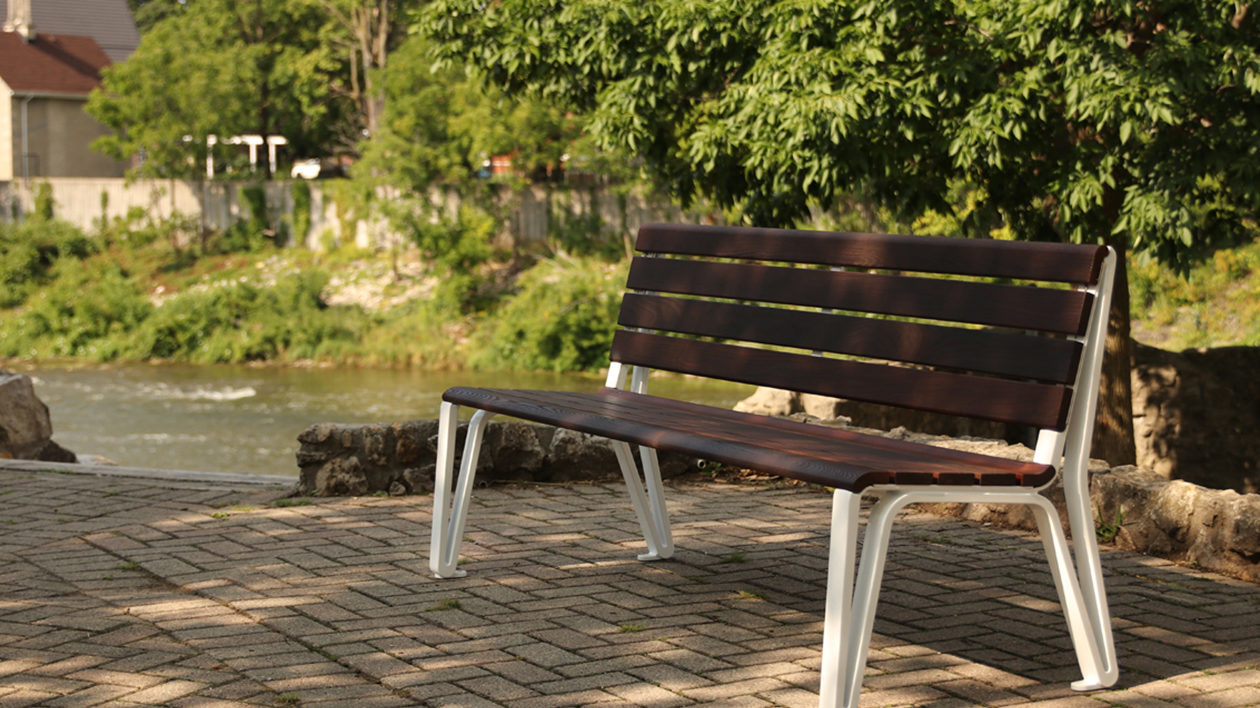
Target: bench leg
x,y
837,624
1089,573
1092,639
449,515
649,508
850,613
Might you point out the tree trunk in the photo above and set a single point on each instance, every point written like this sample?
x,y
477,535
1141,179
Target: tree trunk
x,y
1113,429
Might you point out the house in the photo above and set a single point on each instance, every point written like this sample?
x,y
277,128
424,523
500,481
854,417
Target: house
x,y
45,79
109,22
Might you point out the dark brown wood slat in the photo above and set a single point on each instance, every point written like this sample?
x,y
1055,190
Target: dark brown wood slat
x,y
929,254
1019,402
993,465
998,353
1040,309
832,474
813,453
821,442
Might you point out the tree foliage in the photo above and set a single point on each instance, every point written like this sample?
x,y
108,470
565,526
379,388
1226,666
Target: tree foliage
x,y
217,67
364,33
442,124
1131,122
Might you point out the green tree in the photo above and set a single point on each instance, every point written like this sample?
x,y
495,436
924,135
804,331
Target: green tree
x,y
364,33
441,123
1130,123
217,67
149,12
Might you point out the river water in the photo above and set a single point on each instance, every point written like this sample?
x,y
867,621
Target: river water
x,y
246,419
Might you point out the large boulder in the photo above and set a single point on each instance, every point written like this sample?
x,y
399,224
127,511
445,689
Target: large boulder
x,y
773,401
25,426
1216,529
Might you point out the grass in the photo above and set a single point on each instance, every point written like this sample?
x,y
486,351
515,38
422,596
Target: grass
x,y
1214,304
124,295
1105,531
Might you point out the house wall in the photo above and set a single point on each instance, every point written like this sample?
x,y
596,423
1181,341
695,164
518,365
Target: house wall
x,y
59,139
6,128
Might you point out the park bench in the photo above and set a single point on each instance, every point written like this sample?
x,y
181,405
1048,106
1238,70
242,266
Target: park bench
x,y
997,330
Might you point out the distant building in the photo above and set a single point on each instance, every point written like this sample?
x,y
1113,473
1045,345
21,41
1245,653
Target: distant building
x,y
46,73
109,22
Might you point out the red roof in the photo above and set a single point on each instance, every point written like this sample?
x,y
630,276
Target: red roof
x,y
51,63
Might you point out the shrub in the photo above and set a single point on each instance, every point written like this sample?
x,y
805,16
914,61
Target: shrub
x,y
301,191
30,250
88,312
44,203
459,249
561,319
244,322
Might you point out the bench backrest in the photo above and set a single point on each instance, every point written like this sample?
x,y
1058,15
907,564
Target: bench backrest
x,y
826,313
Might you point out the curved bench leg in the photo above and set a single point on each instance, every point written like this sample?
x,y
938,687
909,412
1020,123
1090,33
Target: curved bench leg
x,y
1091,633
649,507
1088,568
449,515
850,613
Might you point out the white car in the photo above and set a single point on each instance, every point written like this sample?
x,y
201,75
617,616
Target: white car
x,y
306,169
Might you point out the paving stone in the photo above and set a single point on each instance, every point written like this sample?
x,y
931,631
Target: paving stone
x,y
333,604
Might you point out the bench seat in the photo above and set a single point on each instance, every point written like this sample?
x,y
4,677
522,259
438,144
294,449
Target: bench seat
x,y
832,457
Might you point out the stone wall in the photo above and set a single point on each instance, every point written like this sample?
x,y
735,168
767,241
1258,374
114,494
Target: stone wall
x,y
399,458
1196,415
534,213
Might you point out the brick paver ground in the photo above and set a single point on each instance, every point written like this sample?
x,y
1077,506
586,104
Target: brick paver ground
x,y
119,592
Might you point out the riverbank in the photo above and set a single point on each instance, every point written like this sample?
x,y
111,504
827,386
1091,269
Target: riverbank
x,y
144,292
151,294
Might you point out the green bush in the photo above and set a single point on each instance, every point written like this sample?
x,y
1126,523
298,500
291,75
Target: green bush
x,y
245,322
301,191
88,312
44,203
1215,302
561,319
30,250
459,249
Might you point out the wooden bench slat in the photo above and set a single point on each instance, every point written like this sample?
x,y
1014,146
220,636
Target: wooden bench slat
x,y
993,465
1028,261
1021,402
828,456
1025,308
991,352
